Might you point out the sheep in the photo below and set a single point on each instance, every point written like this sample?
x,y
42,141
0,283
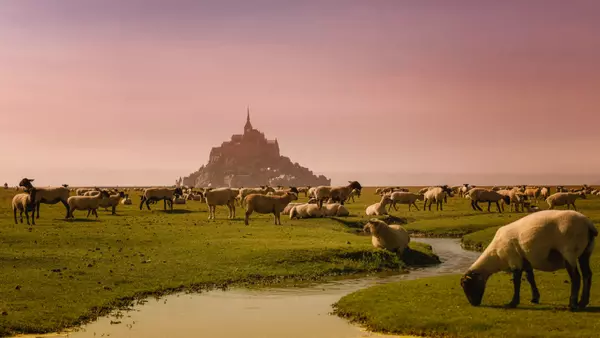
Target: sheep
x,y
112,201
283,192
5,186
336,194
378,208
312,192
561,188
304,190
306,211
126,200
562,198
464,189
89,203
545,192
424,190
221,196
21,202
533,192
51,195
391,237
405,198
483,195
548,241
288,208
335,210
379,191
268,204
437,194
352,194
263,190
156,194
516,199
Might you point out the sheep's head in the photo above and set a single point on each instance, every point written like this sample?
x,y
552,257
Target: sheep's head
x,y
178,192
420,197
582,195
293,196
122,194
104,194
473,285
294,190
65,185
355,185
373,225
506,199
26,182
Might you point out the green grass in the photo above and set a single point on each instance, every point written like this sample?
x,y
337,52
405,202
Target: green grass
x,y
58,273
437,306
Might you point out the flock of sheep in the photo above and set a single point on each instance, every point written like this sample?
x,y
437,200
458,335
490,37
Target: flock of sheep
x,y
544,240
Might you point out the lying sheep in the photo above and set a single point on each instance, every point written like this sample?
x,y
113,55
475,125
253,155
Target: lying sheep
x,y
306,211
156,194
89,203
51,195
391,237
405,198
268,204
112,201
437,195
548,241
221,196
288,208
335,210
378,208
484,195
22,202
562,198
336,194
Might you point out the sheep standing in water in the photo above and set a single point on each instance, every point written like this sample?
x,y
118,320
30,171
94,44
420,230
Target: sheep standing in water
x,y
546,240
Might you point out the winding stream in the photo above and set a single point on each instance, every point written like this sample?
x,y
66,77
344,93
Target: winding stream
x,y
272,312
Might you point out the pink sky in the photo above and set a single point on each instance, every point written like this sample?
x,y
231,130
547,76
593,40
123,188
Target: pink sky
x,y
104,92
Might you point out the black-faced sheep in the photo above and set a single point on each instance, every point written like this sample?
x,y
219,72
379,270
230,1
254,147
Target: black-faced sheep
x,y
484,195
151,195
89,203
548,241
50,195
336,194
437,195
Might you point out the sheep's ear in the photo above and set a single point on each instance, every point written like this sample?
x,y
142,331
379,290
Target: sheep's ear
x,y
30,179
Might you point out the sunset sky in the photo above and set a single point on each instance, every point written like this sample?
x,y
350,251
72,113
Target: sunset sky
x,y
137,92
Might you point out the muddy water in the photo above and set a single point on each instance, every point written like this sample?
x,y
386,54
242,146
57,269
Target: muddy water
x,y
274,312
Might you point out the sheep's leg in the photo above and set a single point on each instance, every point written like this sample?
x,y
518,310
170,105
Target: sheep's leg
x,y
586,271
478,207
535,293
575,284
498,206
416,207
27,215
574,207
425,205
473,205
148,204
114,210
489,205
89,212
277,217
15,213
248,213
517,288
96,213
38,211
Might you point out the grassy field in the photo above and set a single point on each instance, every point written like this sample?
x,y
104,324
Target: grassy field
x,y
60,273
437,306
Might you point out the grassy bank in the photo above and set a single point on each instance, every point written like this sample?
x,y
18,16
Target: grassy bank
x,y
58,274
437,306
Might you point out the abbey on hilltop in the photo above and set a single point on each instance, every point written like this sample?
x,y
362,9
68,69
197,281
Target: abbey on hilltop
x,y
248,160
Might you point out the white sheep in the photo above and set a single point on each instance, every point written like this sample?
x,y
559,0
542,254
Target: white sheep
x,y
312,192
545,192
288,208
378,208
221,196
335,210
336,194
548,241
562,198
409,198
484,195
89,203
391,237
516,199
21,202
51,195
151,195
306,211
126,200
268,204
112,201
437,195
263,190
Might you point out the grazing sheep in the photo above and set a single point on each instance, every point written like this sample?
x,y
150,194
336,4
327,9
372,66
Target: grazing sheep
x,y
112,201
336,194
221,196
484,195
391,237
562,198
89,203
21,202
548,241
50,195
268,204
405,198
335,210
263,190
378,208
516,199
126,200
156,194
533,192
437,194
306,211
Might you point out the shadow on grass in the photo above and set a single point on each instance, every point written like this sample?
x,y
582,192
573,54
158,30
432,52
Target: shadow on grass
x,y
590,309
176,211
416,258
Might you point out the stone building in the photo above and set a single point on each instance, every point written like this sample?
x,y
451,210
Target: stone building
x,y
250,159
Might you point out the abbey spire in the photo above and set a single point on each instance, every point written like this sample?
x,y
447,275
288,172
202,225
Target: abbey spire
x,y
248,126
